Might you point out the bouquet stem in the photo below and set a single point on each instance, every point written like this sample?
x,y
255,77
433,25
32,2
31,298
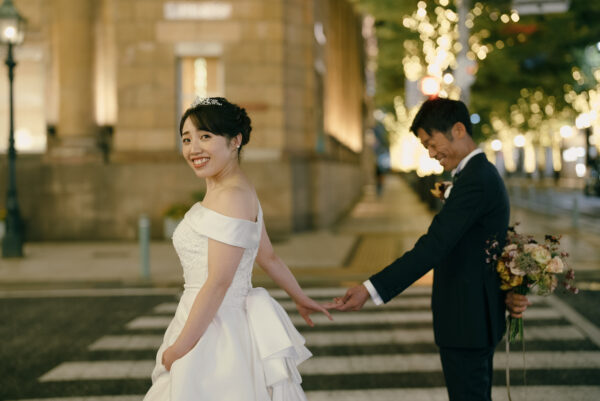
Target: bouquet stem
x,y
515,324
515,329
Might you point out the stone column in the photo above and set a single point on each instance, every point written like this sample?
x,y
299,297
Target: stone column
x,y
75,136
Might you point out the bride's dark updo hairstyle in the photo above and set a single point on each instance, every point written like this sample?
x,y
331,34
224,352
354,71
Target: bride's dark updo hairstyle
x,y
220,117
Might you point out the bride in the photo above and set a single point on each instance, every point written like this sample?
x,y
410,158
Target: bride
x,y
227,340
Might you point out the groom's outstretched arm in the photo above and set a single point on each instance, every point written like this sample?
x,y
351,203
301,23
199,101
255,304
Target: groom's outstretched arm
x,y
465,205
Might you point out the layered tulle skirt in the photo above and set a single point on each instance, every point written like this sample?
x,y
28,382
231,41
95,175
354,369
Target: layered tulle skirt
x,y
250,351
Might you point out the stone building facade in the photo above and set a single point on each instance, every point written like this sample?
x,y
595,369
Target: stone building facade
x,y
100,86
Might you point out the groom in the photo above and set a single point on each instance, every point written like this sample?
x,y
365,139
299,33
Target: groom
x,y
467,303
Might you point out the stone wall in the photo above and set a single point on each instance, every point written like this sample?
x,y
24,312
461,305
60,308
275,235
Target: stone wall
x,y
104,201
112,109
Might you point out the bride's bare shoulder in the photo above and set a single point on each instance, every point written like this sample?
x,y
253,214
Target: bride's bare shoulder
x,y
234,201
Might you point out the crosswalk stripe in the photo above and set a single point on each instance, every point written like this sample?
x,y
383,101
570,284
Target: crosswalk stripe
x,y
90,398
331,292
332,365
575,318
127,343
402,317
333,338
364,364
88,292
531,393
160,322
410,336
405,302
149,322
99,370
289,305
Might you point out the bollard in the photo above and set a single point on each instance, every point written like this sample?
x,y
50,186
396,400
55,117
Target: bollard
x,y
144,238
549,200
531,197
575,212
516,194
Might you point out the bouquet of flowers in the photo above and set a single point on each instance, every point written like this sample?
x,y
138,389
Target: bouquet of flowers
x,y
526,266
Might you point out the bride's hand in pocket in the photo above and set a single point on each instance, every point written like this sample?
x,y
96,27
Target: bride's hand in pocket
x,y
169,356
306,306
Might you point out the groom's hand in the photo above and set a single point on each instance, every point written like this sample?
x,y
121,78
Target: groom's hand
x,y
516,304
354,299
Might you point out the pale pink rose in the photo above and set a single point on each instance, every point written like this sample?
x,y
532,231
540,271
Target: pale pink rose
x,y
555,265
514,269
538,253
511,250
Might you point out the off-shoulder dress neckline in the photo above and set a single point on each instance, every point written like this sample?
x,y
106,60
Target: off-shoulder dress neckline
x,y
230,217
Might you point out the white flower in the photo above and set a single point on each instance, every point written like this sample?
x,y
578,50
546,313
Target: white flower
x,y
514,269
555,265
538,253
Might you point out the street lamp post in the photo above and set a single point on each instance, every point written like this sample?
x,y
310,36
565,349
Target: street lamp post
x,y
12,28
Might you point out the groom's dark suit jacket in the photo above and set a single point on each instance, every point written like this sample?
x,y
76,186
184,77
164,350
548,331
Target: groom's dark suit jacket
x,y
467,303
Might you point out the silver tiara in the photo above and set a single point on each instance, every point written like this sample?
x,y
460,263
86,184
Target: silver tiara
x,y
205,101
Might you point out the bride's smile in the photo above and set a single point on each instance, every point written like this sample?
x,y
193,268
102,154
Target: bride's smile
x,y
206,153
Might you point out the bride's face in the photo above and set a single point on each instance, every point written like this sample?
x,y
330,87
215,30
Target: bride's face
x,y
206,153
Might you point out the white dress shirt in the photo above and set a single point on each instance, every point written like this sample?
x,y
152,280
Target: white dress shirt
x,y
367,283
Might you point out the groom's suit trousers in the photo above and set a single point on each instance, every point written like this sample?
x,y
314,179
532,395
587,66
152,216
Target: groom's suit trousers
x,y
468,373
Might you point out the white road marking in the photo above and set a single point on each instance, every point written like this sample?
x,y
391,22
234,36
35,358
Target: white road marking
x,y
88,292
161,322
332,365
530,393
333,338
127,343
99,370
402,317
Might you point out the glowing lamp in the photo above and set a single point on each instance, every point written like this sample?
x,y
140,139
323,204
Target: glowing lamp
x,y
12,25
430,86
496,145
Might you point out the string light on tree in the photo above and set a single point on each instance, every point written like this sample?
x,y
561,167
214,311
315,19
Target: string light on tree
x,y
430,86
519,141
566,131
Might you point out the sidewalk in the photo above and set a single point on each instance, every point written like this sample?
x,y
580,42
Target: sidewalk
x,y
343,254
375,232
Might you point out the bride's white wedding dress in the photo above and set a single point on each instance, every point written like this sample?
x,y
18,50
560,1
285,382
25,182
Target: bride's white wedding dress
x,y
250,350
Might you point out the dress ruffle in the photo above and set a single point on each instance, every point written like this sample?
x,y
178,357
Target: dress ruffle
x,y
280,347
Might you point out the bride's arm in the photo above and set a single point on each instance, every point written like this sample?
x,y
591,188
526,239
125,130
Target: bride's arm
x,y
272,264
223,261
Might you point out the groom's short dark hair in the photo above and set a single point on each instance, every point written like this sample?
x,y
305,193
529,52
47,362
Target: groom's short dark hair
x,y
441,114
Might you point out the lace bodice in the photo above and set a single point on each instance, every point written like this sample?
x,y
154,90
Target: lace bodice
x,y
190,239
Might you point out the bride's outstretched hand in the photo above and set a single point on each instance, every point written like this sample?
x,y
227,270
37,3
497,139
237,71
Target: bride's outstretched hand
x,y
307,306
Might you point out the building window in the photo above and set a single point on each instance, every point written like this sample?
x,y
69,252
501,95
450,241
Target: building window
x,y
199,76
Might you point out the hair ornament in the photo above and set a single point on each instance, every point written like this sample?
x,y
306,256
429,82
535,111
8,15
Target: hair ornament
x,y
205,101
